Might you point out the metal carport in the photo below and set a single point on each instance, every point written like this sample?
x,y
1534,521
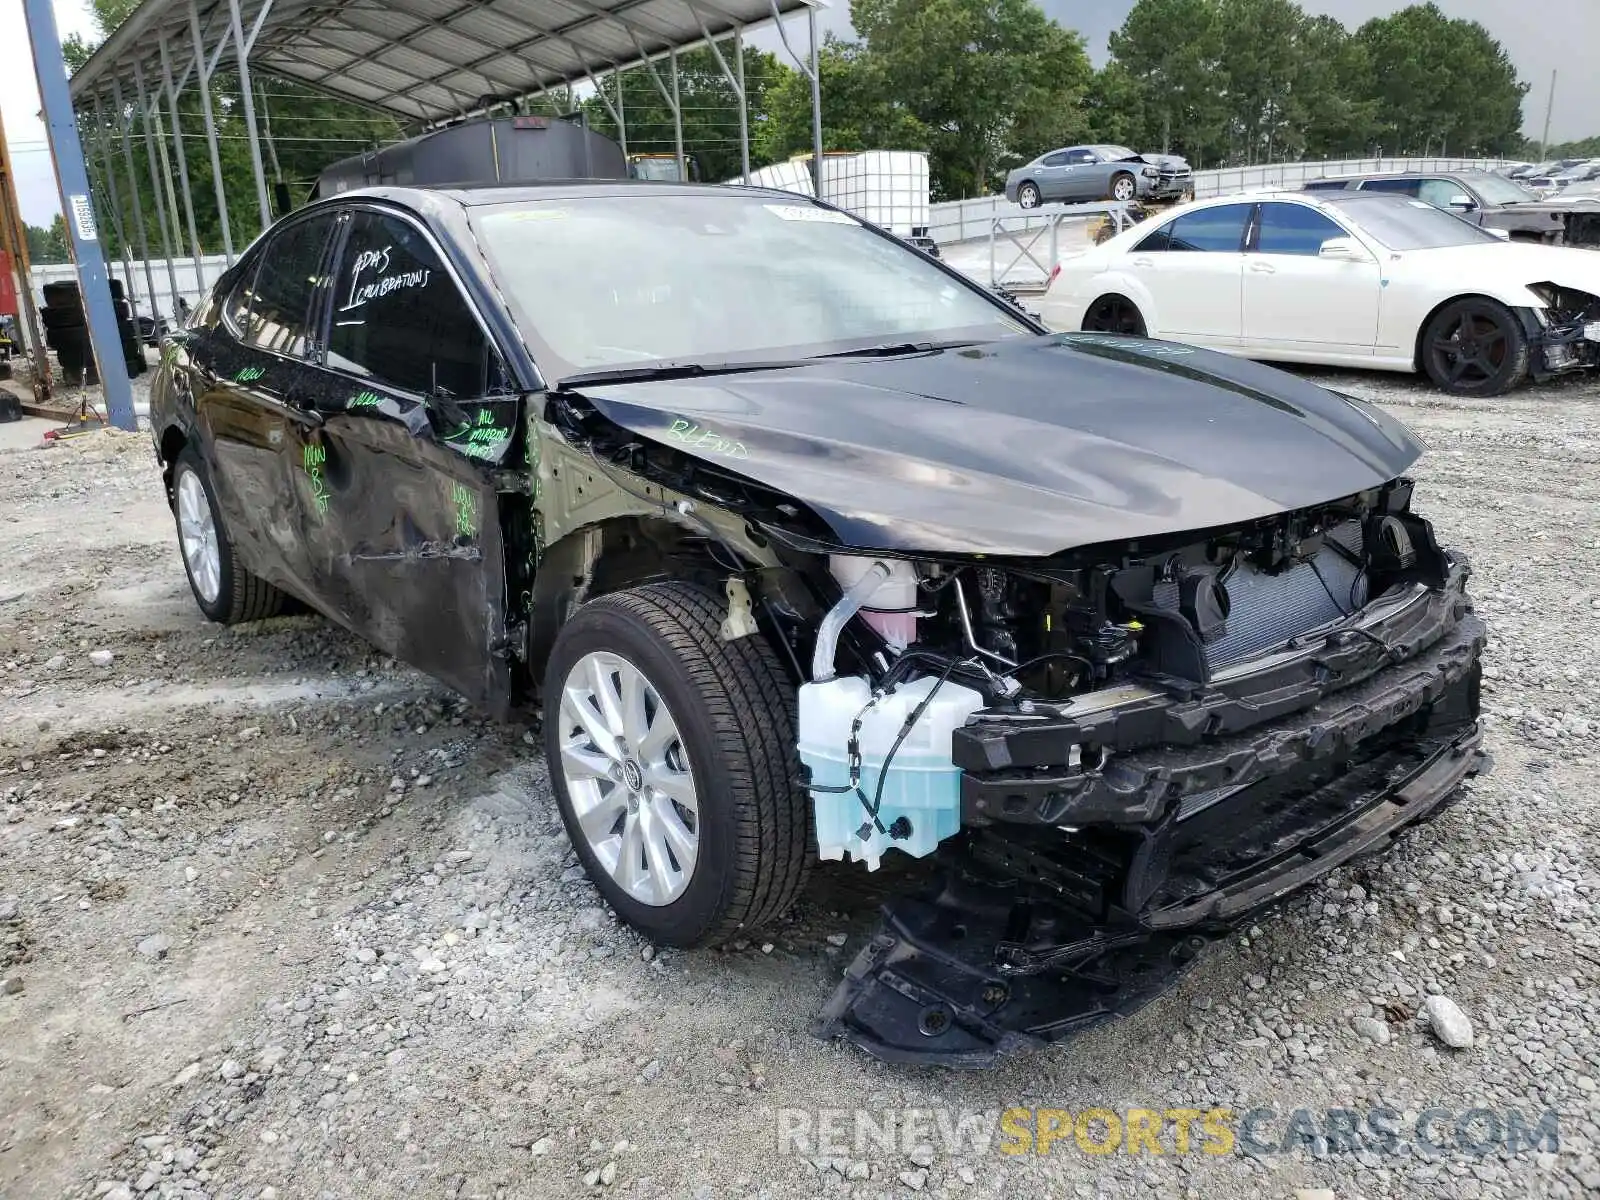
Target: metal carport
x,y
428,62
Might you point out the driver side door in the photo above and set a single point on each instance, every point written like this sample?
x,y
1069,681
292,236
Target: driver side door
x,y
416,413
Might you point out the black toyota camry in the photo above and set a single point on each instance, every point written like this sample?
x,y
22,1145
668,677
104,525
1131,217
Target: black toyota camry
x,y
798,544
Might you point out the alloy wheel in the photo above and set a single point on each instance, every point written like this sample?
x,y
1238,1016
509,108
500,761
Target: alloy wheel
x,y
1472,350
197,536
1028,196
1113,314
628,778
1122,189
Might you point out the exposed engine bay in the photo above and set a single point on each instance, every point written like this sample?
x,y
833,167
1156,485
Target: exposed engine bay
x,y
1568,332
1113,754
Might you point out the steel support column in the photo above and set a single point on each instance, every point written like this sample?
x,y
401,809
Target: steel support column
x,y
133,187
744,104
114,200
73,178
677,120
816,104
183,171
156,189
248,102
622,112
208,118
812,71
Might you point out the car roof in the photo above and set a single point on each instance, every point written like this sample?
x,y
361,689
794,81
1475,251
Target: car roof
x,y
472,195
1464,173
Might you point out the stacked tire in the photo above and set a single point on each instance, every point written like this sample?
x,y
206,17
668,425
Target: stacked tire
x,y
67,332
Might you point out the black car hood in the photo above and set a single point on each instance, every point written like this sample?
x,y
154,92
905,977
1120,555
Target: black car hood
x,y
1025,447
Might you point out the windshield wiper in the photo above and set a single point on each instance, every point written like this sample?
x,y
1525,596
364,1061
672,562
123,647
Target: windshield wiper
x,y
893,349
669,370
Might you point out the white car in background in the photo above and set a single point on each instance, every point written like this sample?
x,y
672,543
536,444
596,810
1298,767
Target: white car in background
x,y
1351,279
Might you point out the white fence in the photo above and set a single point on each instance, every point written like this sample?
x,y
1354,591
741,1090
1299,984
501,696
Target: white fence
x,y
954,221
1226,180
192,284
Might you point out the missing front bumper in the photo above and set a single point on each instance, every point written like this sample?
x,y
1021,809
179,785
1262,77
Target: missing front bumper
x,y
1016,949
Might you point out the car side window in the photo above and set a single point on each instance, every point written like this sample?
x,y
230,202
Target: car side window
x,y
1219,230
279,307
400,320
1077,157
236,310
1294,229
1439,192
1156,241
1405,187
1060,159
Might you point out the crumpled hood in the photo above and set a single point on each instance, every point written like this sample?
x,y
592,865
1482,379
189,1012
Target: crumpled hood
x,y
1025,447
1171,161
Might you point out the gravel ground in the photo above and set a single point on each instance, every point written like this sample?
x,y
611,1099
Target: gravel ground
x,y
279,917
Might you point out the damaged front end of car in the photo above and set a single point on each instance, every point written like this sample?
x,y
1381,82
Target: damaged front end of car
x,y
1109,754
1565,334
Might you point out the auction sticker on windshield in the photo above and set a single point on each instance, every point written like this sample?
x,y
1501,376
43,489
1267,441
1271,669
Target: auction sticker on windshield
x,y
805,212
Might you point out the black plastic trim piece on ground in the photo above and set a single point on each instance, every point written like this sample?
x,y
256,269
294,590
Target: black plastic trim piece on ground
x,y
988,966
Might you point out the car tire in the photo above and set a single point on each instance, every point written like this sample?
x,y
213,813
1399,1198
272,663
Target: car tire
x,y
1475,347
223,587
1123,187
1029,196
61,317
728,748
1112,313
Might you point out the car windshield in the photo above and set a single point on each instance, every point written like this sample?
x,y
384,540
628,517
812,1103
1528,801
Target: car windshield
x,y
611,280
1401,223
1498,190
1115,152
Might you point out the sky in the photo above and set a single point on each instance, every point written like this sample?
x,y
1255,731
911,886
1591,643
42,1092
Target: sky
x,y
1536,45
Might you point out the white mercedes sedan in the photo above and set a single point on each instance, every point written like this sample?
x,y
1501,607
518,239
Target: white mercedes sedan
x,y
1344,279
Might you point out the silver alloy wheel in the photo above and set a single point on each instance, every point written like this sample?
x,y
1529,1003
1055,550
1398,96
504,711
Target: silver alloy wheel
x,y
197,536
1028,196
628,778
1123,189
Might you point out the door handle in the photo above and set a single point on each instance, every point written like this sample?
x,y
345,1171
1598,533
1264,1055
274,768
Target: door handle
x,y
1144,261
1263,268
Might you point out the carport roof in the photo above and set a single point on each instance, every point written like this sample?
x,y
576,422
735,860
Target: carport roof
x,y
426,61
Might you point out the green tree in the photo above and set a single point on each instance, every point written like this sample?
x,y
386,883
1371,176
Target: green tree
x,y
1170,53
858,113
48,245
992,81
1441,84
1334,106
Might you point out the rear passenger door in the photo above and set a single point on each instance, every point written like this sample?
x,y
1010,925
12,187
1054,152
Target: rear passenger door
x,y
252,372
1193,267
418,414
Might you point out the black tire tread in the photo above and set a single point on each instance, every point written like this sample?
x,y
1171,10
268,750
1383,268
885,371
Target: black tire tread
x,y
250,598
1521,350
752,709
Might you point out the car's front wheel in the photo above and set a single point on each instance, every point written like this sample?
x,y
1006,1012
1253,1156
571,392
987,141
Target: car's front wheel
x,y
1475,347
1029,196
672,754
1123,187
223,587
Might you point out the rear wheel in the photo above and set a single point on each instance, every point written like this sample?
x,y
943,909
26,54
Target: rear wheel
x,y
223,587
1123,186
672,754
1114,314
1475,347
1029,196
